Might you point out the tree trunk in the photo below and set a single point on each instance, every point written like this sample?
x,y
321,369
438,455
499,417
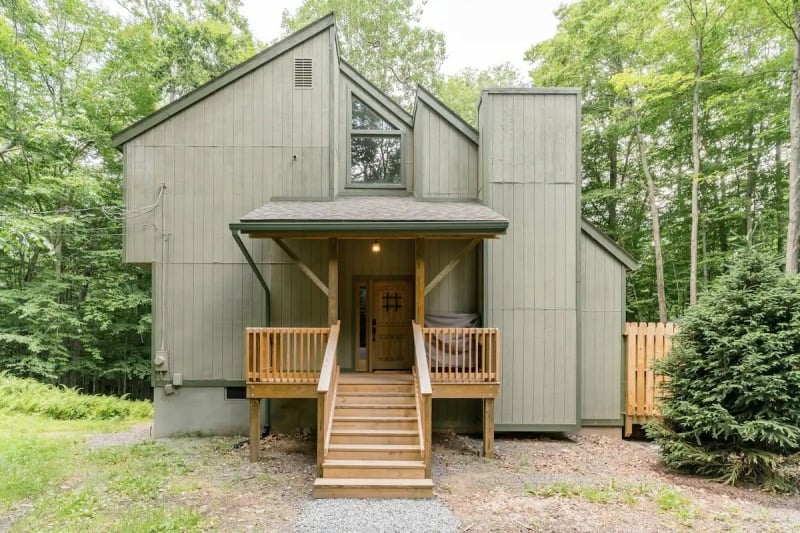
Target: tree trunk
x,y
750,186
793,227
651,198
613,172
698,72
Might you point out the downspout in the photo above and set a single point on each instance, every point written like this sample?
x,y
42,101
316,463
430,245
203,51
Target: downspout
x,y
257,272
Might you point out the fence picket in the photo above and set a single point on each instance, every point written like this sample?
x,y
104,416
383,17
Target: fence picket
x,y
646,343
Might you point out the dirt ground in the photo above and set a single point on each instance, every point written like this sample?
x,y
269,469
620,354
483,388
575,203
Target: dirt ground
x,y
592,484
533,484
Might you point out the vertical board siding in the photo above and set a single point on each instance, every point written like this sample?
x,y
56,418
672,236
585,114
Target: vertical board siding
x,y
528,157
602,342
219,159
446,162
455,293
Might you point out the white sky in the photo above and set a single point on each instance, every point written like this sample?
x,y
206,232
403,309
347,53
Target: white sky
x,y
479,33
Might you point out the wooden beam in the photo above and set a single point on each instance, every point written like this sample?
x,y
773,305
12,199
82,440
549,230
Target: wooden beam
x,y
451,265
255,429
419,281
333,280
488,427
302,266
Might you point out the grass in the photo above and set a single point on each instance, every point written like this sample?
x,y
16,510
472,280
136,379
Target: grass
x,y
667,499
124,490
590,493
64,486
29,465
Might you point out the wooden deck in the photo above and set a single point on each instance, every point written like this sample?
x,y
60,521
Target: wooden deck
x,y
374,430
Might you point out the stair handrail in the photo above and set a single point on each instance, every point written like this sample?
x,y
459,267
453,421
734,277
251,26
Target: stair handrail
x,y
424,394
326,395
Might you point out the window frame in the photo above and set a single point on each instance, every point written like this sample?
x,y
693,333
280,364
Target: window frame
x,y
393,133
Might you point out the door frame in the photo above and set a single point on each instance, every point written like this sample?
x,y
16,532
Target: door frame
x,y
358,282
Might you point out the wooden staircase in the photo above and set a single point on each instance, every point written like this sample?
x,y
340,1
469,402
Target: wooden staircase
x,y
374,449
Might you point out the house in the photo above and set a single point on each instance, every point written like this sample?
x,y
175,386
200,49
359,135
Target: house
x,y
322,258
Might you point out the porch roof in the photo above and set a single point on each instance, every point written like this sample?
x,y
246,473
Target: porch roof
x,y
372,215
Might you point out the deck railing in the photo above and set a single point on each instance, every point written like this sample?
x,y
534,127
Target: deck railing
x,y
326,395
284,355
646,343
424,395
463,355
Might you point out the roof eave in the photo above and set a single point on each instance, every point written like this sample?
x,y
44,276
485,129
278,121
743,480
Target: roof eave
x,y
440,108
221,81
370,88
488,228
609,245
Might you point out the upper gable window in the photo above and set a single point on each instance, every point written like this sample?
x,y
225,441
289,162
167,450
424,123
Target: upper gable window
x,y
375,146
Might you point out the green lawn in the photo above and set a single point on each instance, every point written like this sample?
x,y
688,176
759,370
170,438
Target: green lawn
x,y
51,480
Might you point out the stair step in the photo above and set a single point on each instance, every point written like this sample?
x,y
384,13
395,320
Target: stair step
x,y
348,388
333,468
374,436
375,410
403,452
372,488
374,422
380,398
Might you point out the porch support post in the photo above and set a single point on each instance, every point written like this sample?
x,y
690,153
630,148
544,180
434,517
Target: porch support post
x,y
333,280
488,427
419,281
255,429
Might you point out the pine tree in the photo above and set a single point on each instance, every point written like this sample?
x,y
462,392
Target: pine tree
x,y
731,406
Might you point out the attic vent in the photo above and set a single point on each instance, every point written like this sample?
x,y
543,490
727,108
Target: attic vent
x,y
302,73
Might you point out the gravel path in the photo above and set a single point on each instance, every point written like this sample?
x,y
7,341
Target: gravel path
x,y
133,435
376,516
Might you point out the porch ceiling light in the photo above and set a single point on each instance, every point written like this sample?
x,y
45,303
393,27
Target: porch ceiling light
x,y
376,247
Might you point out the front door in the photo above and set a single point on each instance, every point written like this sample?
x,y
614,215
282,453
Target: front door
x,y
392,306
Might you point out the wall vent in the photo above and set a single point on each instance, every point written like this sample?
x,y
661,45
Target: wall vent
x,y
302,73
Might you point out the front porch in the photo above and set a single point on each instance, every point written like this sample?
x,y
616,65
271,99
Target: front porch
x,y
374,426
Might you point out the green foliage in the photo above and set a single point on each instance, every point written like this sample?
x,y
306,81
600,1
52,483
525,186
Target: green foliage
x,y
637,57
71,75
27,396
382,40
732,403
462,90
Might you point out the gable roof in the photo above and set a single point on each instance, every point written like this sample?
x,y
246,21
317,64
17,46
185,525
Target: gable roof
x,y
368,87
215,84
455,120
616,251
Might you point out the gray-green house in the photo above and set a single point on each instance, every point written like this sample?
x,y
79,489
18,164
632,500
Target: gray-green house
x,y
291,193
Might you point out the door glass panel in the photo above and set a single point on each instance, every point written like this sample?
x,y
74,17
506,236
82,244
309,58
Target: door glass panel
x,y
363,327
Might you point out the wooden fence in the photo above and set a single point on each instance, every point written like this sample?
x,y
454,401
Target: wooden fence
x,y
646,343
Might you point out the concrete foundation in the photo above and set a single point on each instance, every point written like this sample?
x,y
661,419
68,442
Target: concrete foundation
x,y
603,431
198,410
